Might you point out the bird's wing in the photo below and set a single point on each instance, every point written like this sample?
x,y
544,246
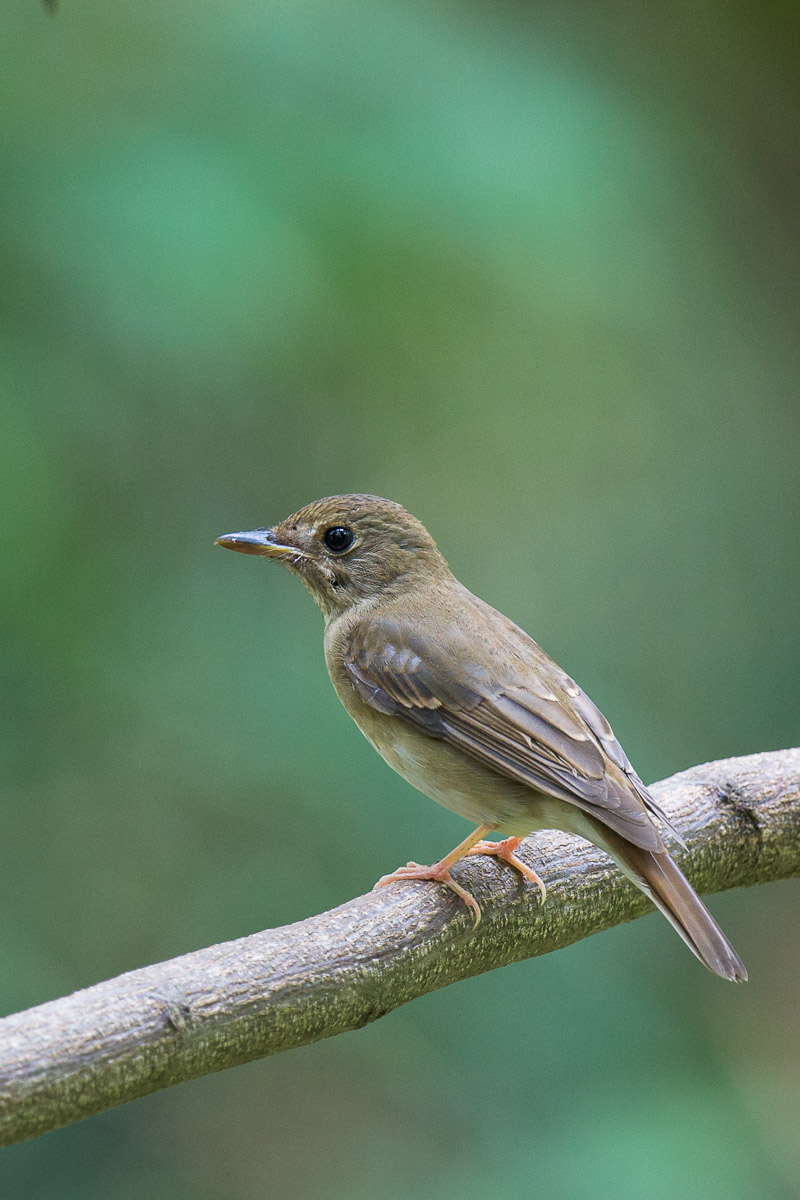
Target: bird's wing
x,y
533,724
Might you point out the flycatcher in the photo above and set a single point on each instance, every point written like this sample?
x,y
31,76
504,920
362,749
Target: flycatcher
x,y
470,710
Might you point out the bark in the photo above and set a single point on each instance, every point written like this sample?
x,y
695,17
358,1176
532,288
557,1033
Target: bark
x,y
228,1004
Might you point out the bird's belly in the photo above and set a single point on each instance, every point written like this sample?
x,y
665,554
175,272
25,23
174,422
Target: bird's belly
x,y
457,782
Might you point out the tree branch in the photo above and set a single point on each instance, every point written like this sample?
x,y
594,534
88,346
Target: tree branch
x,y
228,1004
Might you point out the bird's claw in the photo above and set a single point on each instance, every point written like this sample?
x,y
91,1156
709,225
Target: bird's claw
x,y
434,874
506,850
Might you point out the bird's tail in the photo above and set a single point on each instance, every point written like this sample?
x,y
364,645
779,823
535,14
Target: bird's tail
x,y
669,889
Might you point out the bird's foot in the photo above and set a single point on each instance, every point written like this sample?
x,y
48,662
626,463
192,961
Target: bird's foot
x,y
507,851
438,873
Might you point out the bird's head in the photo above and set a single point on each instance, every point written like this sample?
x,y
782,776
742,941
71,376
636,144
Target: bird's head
x,y
346,549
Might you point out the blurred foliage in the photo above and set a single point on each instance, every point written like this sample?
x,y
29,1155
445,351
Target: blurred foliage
x,y
531,270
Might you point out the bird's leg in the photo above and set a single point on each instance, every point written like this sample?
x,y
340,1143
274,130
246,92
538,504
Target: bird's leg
x,y
440,871
506,850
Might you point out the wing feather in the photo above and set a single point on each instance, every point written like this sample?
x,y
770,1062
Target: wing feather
x,y
536,727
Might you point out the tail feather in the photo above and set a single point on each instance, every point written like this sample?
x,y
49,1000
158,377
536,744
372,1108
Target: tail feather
x,y
669,889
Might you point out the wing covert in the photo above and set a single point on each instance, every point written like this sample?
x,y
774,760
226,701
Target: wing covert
x,y
536,727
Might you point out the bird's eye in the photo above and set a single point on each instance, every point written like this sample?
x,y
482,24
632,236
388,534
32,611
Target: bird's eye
x,y
338,539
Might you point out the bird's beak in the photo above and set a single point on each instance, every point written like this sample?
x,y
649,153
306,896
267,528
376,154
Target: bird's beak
x,y
257,541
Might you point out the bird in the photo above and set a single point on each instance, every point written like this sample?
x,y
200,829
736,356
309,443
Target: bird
x,y
470,710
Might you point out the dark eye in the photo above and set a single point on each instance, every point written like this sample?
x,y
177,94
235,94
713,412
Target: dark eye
x,y
338,539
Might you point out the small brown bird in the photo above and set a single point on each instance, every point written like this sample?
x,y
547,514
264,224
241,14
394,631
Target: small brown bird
x,y
467,708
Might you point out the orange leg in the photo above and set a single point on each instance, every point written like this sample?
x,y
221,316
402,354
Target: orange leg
x,y
440,871
506,850
474,844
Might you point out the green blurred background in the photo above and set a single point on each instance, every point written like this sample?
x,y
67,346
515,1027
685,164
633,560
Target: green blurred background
x,y
531,270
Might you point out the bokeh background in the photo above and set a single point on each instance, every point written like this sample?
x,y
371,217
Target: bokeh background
x,y
531,270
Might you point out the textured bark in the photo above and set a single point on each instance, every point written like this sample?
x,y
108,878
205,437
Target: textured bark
x,y
286,987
